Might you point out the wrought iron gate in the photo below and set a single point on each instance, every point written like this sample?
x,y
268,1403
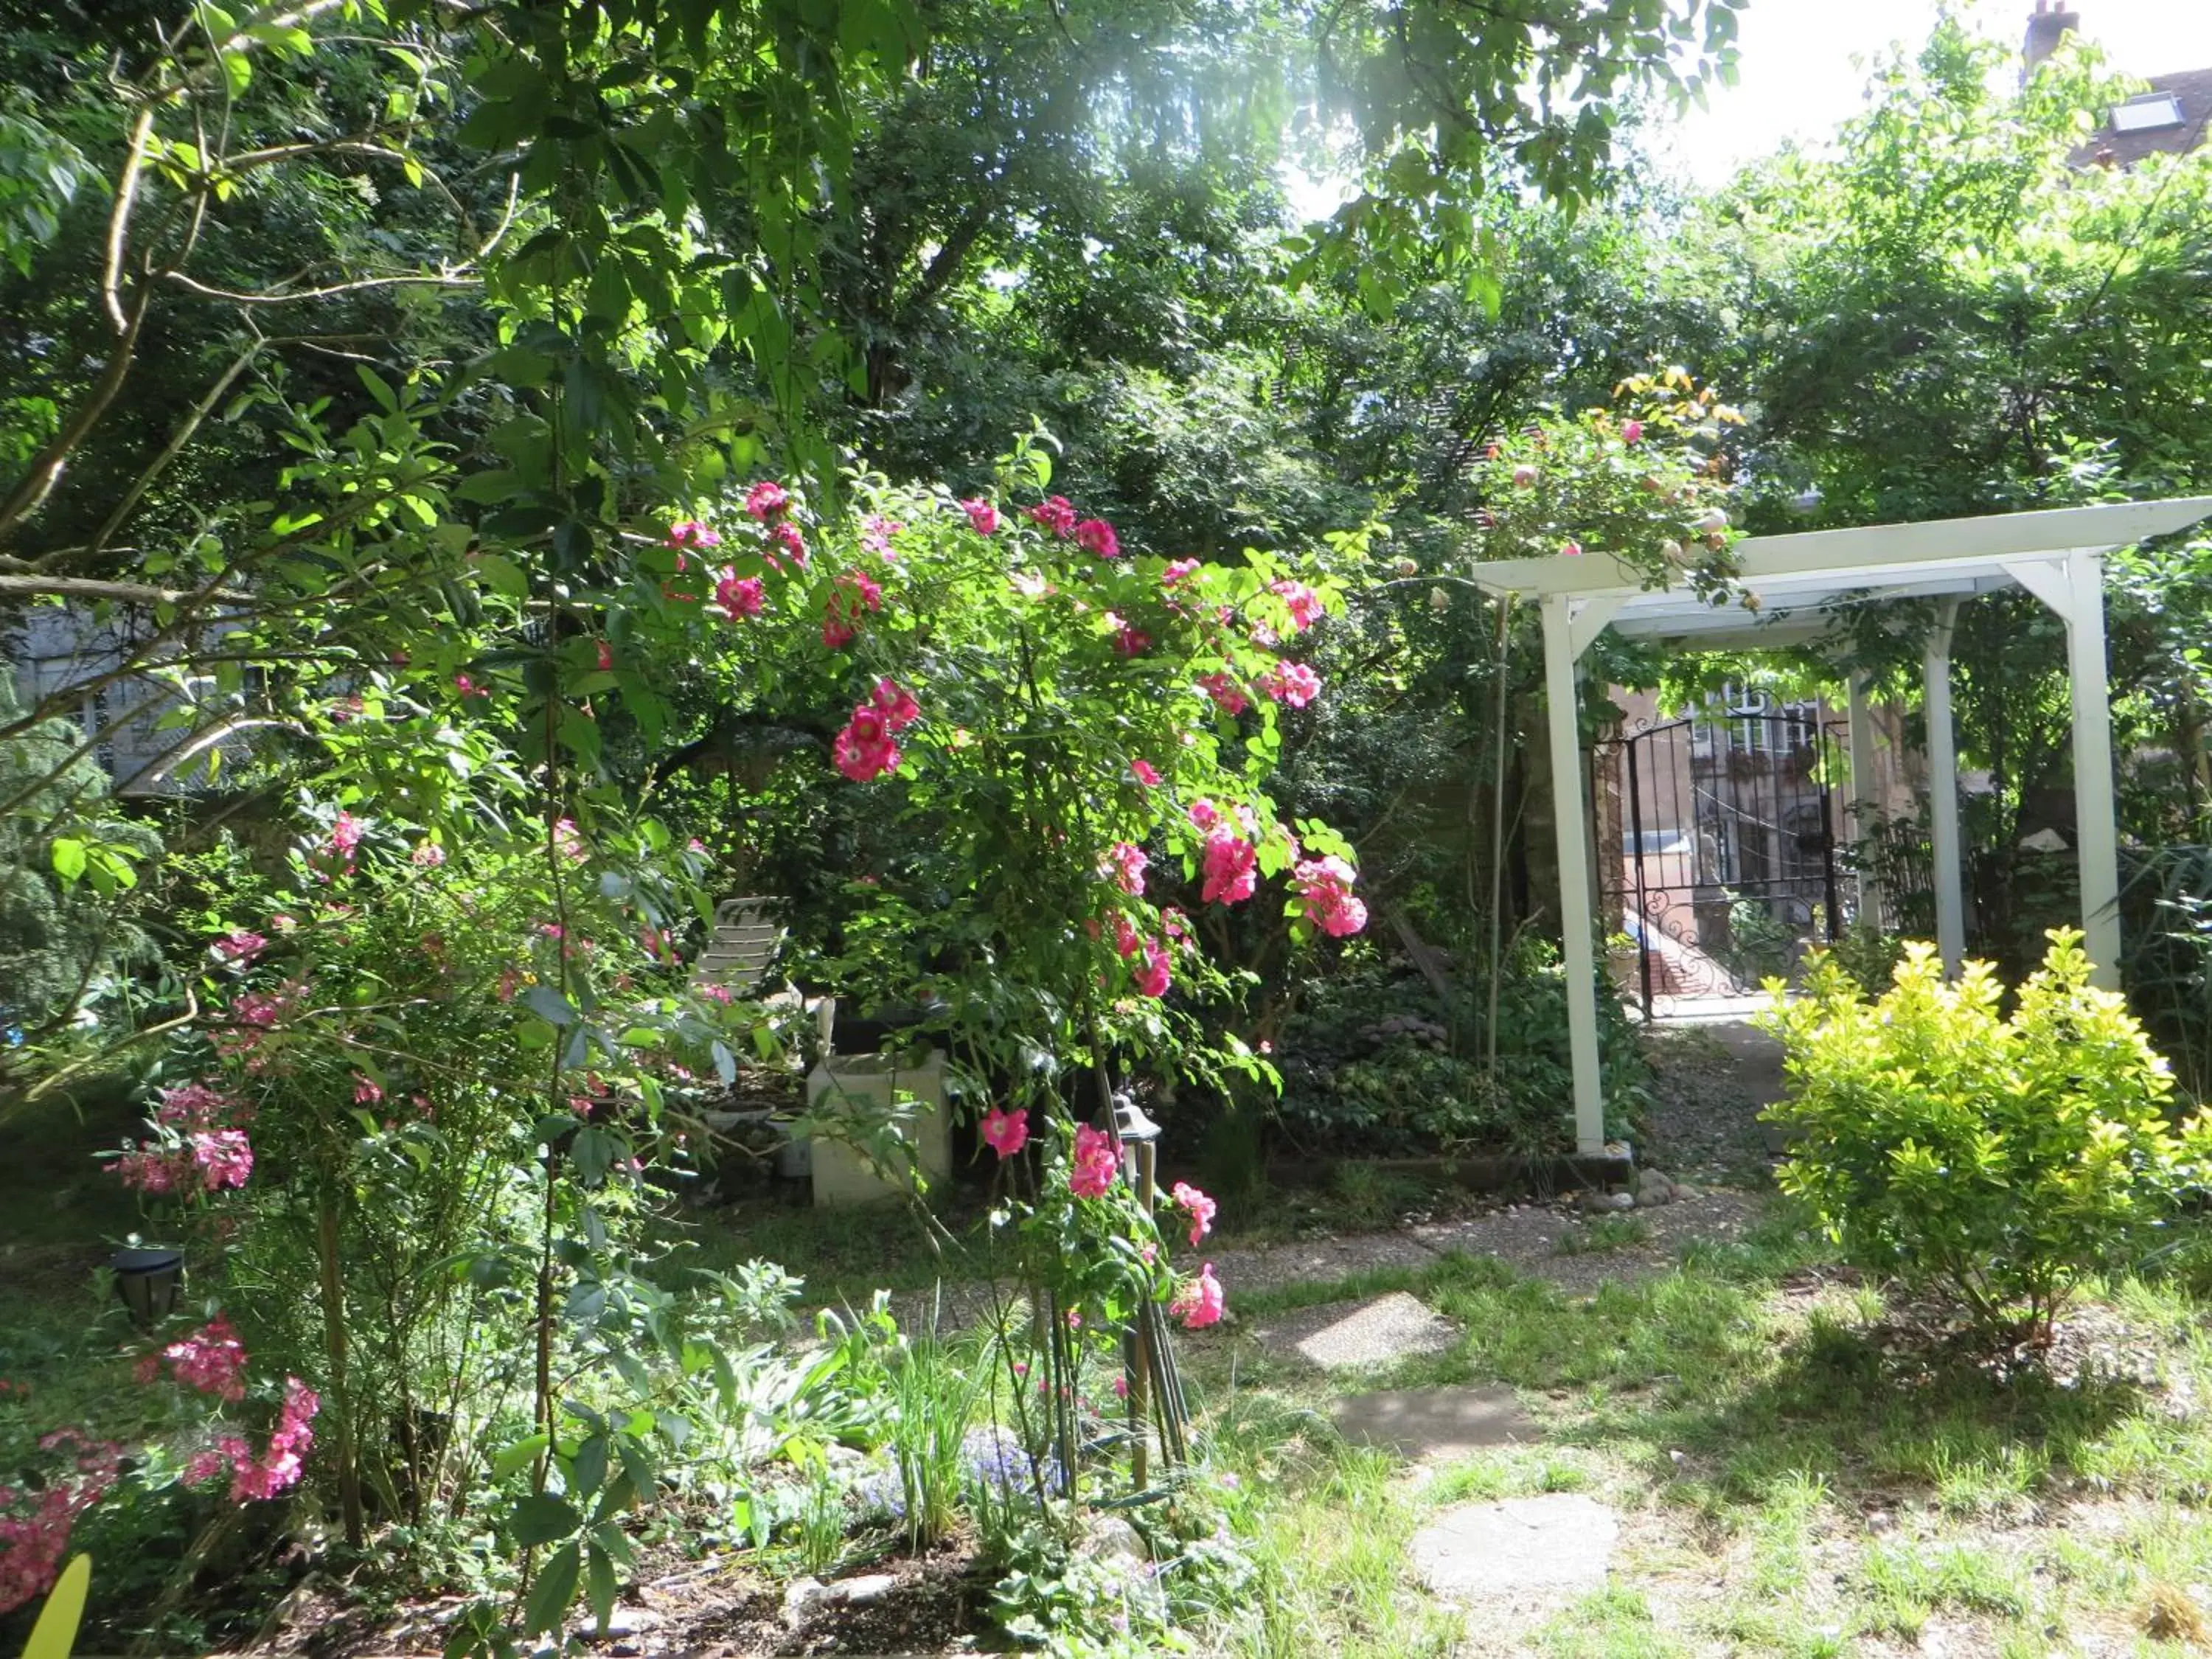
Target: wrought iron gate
x,y
1717,850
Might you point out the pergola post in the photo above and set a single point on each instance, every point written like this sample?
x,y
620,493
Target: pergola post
x,y
2074,589
1570,624
1863,795
1943,791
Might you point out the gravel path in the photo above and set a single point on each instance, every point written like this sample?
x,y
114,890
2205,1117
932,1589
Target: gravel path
x,y
1711,1083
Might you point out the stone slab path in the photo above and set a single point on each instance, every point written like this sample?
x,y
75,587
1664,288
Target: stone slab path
x,y
1421,1424
1524,1551
1348,1335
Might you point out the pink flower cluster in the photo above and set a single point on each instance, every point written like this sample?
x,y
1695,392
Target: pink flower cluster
x,y
1126,863
35,1527
277,1470
1154,974
1291,683
211,1360
867,747
737,596
767,500
982,516
1095,1162
1006,1132
239,948
1195,1204
853,596
1056,515
686,533
201,1148
1200,1302
1096,536
1304,604
1324,884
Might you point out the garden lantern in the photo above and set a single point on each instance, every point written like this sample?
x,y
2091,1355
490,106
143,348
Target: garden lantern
x,y
147,1280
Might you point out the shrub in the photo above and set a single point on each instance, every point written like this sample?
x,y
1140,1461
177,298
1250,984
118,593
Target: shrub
x,y
1989,1159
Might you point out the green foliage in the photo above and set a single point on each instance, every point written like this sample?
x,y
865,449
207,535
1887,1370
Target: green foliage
x,y
1996,1160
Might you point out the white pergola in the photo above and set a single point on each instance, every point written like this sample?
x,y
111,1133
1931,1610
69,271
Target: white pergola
x,y
1799,580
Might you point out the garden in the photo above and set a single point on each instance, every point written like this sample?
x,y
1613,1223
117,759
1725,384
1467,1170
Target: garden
x,y
768,884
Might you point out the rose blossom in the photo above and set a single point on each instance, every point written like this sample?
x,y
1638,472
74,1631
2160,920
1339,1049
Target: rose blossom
x,y
1231,869
1195,1204
766,500
1303,602
1290,682
1324,884
1154,978
689,532
1096,1164
1006,1132
1145,773
1199,1304
1225,693
1056,515
739,596
1096,536
982,516
1126,863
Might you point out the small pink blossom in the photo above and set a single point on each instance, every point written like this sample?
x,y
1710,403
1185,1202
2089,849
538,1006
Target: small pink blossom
x,y
1195,1204
714,992
150,1170
1154,978
767,500
876,533
982,516
469,687
1201,1303
1204,814
606,655
1178,572
1303,602
345,836
194,1106
1095,1162
739,596
854,595
1121,1386
1126,863
1126,938
689,532
1524,475
784,536
1096,536
1632,432
211,1360
1145,773
1129,642
225,1157
366,1091
1292,683
427,855
1325,885
239,949
898,705
1571,549
1006,1133
1056,515
866,749
1227,696
1232,868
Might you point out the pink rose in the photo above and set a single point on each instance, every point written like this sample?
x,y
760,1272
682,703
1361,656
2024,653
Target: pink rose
x,y
982,516
1006,1132
1095,1162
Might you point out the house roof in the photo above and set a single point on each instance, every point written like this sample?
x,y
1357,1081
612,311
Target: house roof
x,y
2190,89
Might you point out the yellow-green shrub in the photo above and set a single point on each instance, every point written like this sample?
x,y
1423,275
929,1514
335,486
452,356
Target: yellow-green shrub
x,y
1996,1160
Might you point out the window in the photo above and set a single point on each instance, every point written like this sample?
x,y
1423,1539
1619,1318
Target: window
x,y
2160,109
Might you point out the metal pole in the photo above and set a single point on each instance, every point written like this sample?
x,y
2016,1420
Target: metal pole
x,y
1943,791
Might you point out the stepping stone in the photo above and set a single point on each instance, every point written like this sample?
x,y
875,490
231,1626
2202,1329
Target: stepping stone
x,y
1341,1335
1434,1422
1546,1547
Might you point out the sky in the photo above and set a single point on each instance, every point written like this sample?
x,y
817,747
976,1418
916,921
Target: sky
x,y
1797,79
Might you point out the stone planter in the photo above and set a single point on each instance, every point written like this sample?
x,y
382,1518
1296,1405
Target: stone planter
x,y
868,1087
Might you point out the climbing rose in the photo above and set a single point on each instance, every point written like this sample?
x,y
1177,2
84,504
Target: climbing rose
x,y
1204,814
1177,571
1290,682
211,1360
982,516
739,596
194,1106
1632,432
1056,514
898,705
1096,1164
1199,1304
239,949
1126,863
606,656
1128,641
1145,773
1224,692
225,1157
689,532
1324,884
784,534
150,1170
1230,864
1126,940
1304,604
865,748
1571,549
1006,1132
1195,1204
766,499
278,1468
427,855
855,594
1096,536
1153,978
345,836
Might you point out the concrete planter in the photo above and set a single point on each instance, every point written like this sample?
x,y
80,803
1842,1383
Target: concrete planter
x,y
867,1086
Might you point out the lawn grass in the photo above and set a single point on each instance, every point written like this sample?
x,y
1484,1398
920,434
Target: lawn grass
x,y
1788,1484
